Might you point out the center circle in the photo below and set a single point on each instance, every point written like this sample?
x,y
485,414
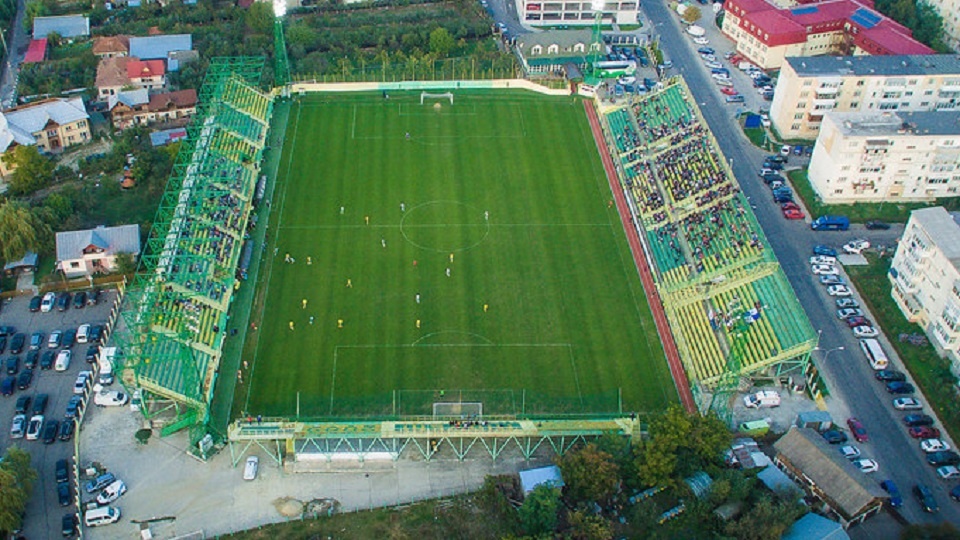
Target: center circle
x,y
445,226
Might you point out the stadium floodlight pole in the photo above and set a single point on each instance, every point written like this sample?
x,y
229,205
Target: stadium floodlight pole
x,y
597,42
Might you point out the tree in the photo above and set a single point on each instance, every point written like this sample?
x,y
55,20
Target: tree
x,y
590,476
538,514
938,531
441,42
587,526
33,171
692,14
20,231
126,263
259,18
766,519
16,485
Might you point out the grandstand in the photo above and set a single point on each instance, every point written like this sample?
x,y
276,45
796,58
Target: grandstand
x,y
730,307
173,319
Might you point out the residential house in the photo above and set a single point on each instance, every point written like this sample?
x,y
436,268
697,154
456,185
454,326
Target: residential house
x,y
65,26
551,50
137,107
118,73
92,251
810,87
171,48
111,46
766,32
843,490
925,278
51,125
149,74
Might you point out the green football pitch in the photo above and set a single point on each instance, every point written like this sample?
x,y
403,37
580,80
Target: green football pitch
x,y
449,253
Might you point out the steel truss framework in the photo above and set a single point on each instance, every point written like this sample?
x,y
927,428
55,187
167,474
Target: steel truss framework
x,y
173,319
429,439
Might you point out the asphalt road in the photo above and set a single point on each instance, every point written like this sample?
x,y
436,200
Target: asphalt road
x,y
848,375
43,511
17,45
505,11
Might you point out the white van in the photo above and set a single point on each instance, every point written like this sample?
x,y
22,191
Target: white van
x,y
874,352
101,516
766,398
111,492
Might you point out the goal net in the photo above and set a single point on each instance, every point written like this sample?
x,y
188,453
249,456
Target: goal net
x,y
457,409
428,96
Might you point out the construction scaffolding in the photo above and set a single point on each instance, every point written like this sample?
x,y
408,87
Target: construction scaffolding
x,y
174,318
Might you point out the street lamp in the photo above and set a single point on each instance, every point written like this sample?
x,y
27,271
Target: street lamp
x,y
828,351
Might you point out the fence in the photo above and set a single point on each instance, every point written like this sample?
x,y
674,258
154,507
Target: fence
x,y
450,69
496,84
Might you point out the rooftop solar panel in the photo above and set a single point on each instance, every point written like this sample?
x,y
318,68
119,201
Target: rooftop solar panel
x,y
804,10
865,18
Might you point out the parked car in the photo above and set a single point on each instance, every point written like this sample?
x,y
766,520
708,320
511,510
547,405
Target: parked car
x,y
83,333
100,482
63,493
83,382
66,429
73,406
824,269
859,432
53,341
955,493
112,398
46,361
831,279
40,403
791,211
865,332
860,320
834,436
736,98
896,500
68,525
93,297
79,300
925,498
18,427
33,427
877,225
35,304
46,305
933,445
50,430
32,359
856,247
729,91
839,290
917,419
823,259
866,465
63,301
112,492
900,387
250,469
706,50
889,375
825,251
25,379
68,338
8,385
946,457
948,472
36,341
17,343
850,451
923,432
23,404
96,333
907,404
92,352
63,470
63,360
13,365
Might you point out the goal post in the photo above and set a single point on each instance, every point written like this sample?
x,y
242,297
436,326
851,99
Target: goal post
x,y
427,95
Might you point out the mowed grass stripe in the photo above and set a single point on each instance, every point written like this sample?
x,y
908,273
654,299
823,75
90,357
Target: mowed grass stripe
x,y
560,280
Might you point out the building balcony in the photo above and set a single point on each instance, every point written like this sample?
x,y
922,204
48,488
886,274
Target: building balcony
x,y
824,104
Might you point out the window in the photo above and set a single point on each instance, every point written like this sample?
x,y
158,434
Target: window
x,y
795,127
798,116
74,264
854,104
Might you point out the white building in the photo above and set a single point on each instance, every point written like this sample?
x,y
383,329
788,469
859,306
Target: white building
x,y
925,275
810,87
886,156
540,13
949,10
93,251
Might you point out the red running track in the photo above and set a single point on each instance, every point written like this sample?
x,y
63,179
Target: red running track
x,y
646,277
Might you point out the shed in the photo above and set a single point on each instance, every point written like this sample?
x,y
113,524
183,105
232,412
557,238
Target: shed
x,y
167,136
818,420
778,482
160,47
815,527
26,265
36,52
532,478
66,26
699,484
844,490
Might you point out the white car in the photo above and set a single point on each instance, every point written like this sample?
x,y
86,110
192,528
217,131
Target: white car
x,y
849,312
54,340
83,333
765,120
863,332
947,472
111,492
113,398
708,57
250,469
18,427
847,303
33,428
850,451
46,305
713,64
701,41
907,404
866,465
839,290
855,247
822,259
63,360
136,400
764,89
83,380
720,76
824,269
933,445
723,82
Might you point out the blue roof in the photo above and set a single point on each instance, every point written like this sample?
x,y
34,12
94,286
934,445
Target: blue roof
x,y
804,10
752,121
865,18
67,26
544,475
815,527
158,47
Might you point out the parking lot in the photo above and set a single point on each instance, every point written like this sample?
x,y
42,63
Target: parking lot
x,y
44,513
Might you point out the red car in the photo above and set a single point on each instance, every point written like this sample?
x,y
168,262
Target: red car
x,y
736,59
858,321
791,210
728,91
924,432
859,432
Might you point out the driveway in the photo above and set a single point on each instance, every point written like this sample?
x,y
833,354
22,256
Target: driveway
x,y
848,376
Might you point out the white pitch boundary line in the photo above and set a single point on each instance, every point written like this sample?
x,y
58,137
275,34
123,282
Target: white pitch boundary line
x,y
447,225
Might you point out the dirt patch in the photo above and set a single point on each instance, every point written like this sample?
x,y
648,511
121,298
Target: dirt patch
x,y
288,507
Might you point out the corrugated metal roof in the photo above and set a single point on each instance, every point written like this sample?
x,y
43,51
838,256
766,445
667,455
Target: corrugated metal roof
x,y
880,65
532,478
122,239
158,47
36,52
68,26
130,98
815,527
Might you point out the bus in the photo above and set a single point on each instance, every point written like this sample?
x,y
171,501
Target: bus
x,y
874,353
611,69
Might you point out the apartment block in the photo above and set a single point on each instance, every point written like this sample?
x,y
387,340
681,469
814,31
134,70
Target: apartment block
x,y
925,278
538,13
810,87
886,156
949,10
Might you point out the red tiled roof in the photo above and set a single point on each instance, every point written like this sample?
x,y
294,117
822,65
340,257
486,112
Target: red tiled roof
x,y
111,44
137,69
182,99
774,26
37,52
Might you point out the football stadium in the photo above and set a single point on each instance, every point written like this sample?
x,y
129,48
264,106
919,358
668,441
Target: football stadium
x,y
355,274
